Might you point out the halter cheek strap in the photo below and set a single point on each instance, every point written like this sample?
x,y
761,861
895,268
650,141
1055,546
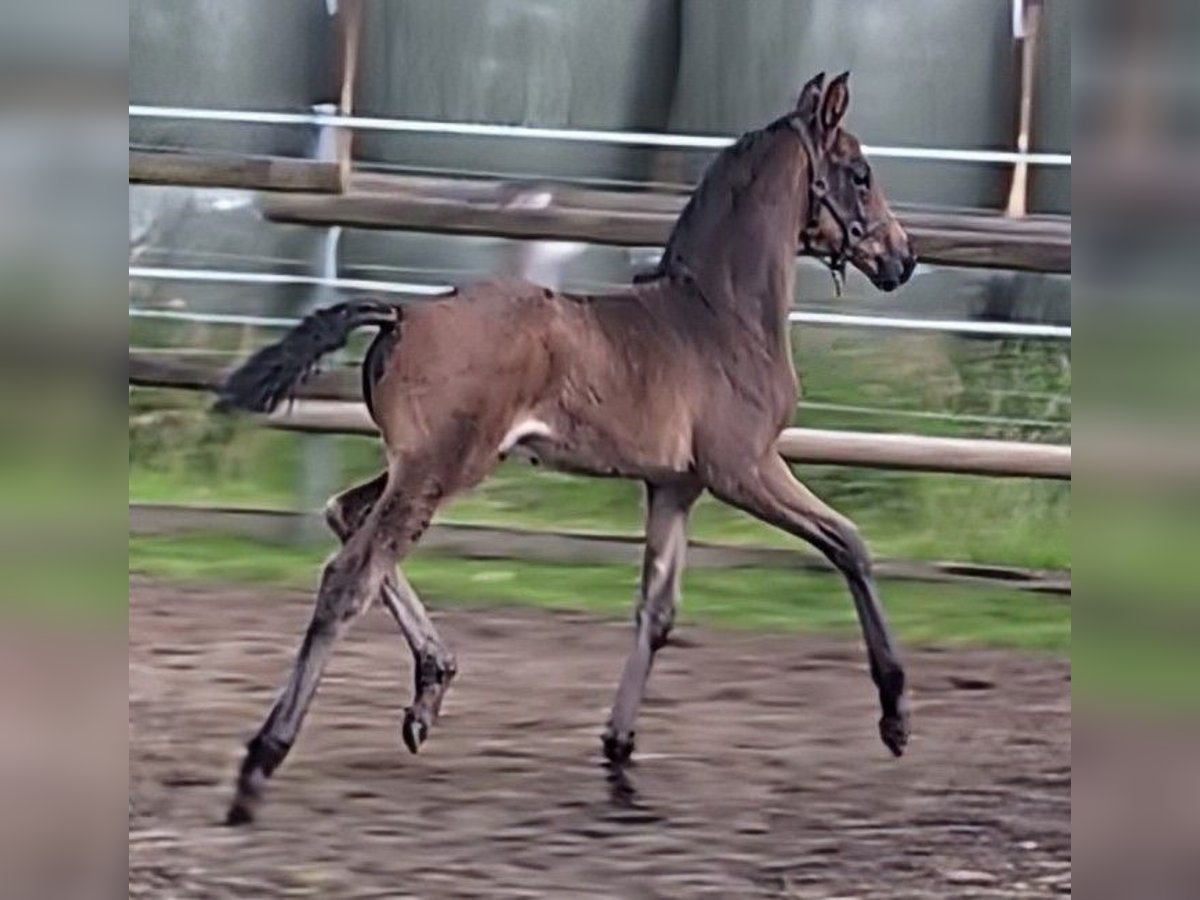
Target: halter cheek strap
x,y
818,200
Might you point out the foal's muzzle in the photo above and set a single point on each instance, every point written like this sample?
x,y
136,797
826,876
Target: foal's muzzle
x,y
892,271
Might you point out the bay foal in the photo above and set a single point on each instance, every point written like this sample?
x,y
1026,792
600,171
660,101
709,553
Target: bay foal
x,y
683,381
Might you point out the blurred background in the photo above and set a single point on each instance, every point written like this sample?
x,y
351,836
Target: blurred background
x,y
238,224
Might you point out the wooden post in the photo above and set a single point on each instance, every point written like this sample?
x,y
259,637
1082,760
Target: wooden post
x,y
1029,17
348,23
320,465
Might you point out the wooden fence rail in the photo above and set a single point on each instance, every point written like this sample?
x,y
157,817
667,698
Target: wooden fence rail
x,y
957,239
312,193
966,456
260,173
323,408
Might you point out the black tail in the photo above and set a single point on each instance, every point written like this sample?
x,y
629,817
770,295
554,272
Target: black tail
x,y
273,373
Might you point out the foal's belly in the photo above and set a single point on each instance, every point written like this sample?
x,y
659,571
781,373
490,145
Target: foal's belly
x,y
569,444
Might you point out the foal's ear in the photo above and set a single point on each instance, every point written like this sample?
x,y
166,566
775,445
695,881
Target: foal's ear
x,y
810,100
833,108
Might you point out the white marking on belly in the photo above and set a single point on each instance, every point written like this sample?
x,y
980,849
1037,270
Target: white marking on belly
x,y
525,428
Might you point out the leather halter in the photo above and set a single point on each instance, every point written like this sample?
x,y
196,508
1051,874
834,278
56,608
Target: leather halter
x,y
819,199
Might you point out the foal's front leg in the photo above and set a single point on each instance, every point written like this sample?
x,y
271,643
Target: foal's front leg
x,y
434,665
770,492
666,541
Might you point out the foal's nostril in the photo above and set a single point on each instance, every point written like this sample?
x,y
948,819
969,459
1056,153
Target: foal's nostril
x,y
890,272
910,265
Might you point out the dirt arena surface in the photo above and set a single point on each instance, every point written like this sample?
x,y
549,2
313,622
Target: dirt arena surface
x,y
761,773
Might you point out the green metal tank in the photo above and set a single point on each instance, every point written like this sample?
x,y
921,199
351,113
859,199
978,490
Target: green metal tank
x,y
267,55
606,64
926,73
603,64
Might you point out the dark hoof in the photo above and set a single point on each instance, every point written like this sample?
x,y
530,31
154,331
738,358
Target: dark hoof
x,y
894,731
239,814
621,790
414,731
617,748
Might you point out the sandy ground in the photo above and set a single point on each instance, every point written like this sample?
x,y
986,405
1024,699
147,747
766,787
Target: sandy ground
x,y
760,773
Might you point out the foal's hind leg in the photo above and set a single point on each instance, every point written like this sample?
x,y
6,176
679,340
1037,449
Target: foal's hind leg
x,y
434,663
666,541
770,492
434,666
349,582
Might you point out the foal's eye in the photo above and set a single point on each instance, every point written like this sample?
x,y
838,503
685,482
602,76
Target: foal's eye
x,y
862,176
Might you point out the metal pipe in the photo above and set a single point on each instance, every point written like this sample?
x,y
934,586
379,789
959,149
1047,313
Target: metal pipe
x,y
576,135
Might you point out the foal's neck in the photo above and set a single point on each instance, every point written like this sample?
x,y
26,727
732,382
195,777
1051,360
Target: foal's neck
x,y
739,234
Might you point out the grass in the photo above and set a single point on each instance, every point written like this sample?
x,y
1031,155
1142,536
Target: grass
x,y
1015,522
759,599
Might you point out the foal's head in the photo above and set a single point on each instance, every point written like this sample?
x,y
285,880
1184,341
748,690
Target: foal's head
x,y
849,219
